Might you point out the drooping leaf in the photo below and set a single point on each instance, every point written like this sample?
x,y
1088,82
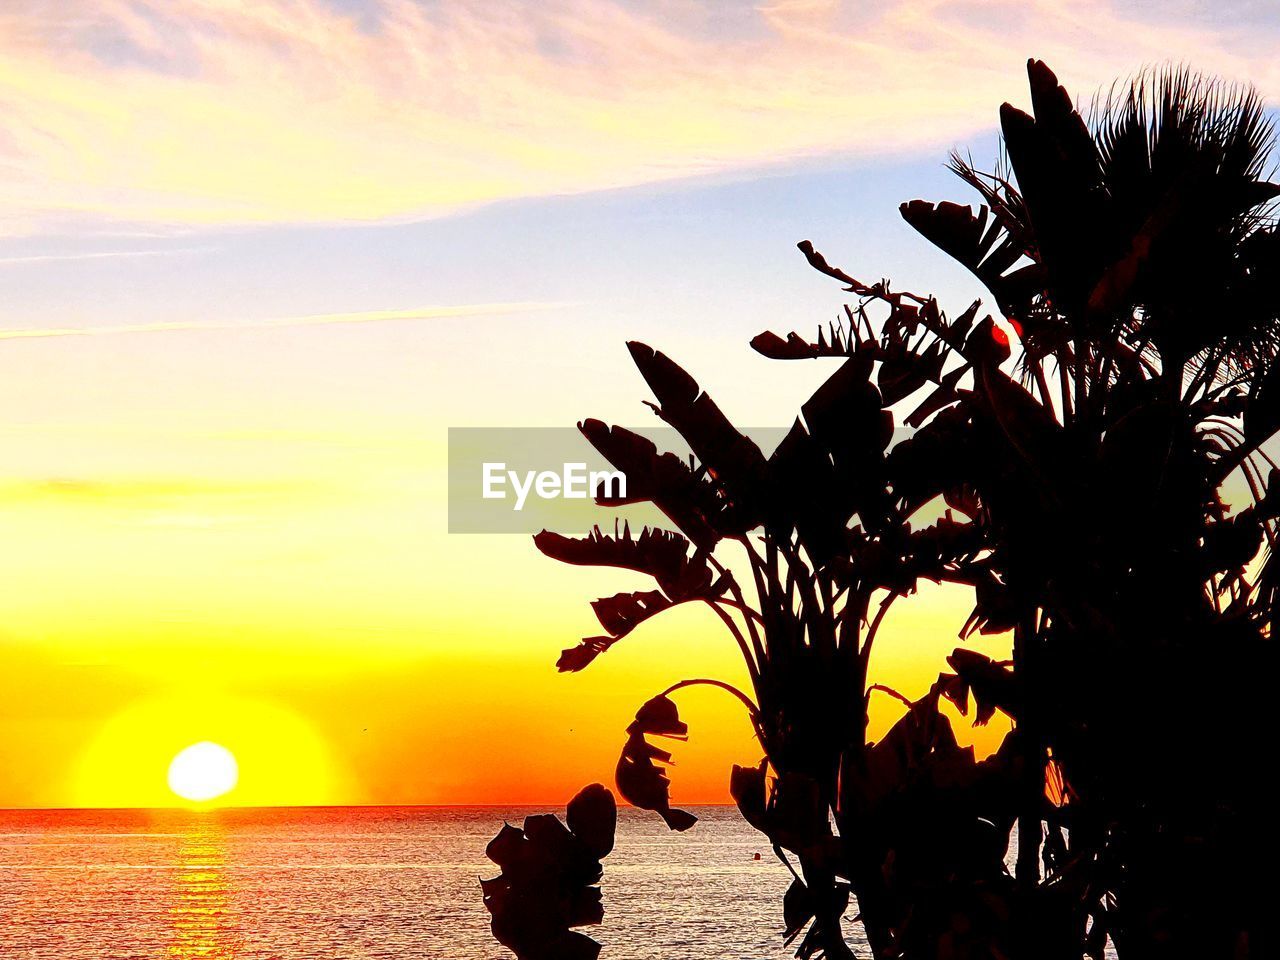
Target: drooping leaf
x,y
797,910
661,717
623,612
641,781
573,659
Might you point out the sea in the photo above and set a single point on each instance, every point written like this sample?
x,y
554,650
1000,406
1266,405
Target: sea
x,y
394,883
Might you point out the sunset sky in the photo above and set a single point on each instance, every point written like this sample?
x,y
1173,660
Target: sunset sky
x,y
257,258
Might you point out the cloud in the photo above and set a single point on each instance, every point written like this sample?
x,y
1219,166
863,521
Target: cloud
x,y
99,255
306,320
209,112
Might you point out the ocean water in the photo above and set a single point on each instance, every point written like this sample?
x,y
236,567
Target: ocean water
x,y
351,883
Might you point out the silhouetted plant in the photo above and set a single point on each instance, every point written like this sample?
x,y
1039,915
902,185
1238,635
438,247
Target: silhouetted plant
x,y
549,876
1148,288
806,639
1080,485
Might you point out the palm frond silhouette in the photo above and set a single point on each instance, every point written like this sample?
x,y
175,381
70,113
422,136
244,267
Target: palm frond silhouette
x,y
1081,441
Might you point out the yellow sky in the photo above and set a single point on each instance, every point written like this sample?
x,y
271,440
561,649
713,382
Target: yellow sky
x,y
322,626
257,258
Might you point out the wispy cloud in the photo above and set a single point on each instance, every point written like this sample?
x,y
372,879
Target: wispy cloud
x,y
307,320
224,111
100,255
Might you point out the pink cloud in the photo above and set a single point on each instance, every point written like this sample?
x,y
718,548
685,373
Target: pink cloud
x,y
233,112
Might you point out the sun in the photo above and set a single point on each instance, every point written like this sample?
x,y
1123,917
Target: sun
x,y
203,771
278,757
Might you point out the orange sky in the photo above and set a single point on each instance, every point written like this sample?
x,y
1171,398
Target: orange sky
x,y
257,258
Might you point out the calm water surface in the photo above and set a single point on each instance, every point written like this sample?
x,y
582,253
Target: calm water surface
x,y
352,883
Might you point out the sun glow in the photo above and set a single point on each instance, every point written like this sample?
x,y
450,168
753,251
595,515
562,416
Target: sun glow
x,y
269,754
203,771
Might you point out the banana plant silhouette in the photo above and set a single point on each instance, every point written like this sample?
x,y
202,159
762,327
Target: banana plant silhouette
x,y
548,883
1135,260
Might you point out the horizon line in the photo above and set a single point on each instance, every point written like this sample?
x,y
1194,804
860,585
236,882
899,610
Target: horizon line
x,y
322,806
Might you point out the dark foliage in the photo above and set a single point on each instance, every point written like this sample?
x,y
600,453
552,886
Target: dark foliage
x,y
548,880
1080,442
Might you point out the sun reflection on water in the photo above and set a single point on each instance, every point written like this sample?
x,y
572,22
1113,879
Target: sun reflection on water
x,y
201,916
